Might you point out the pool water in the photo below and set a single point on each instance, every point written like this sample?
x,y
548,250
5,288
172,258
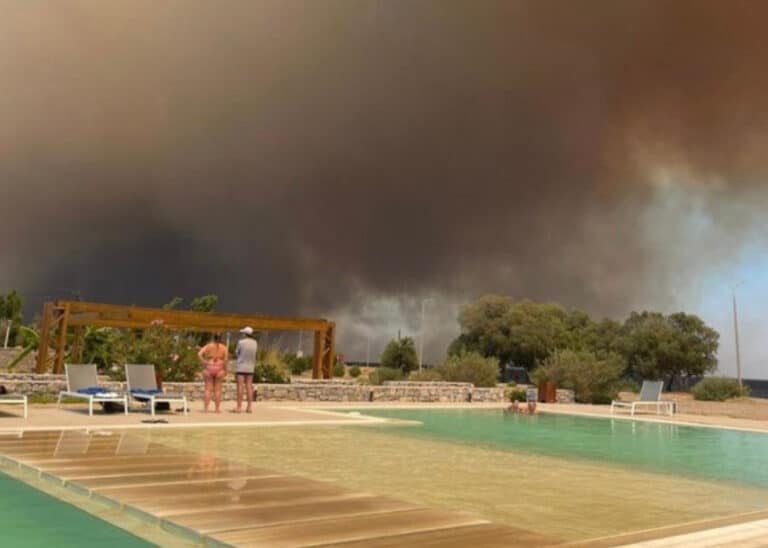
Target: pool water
x,y
32,518
566,477
711,453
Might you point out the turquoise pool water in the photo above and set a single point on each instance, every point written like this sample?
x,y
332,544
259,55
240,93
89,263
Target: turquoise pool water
x,y
710,453
31,518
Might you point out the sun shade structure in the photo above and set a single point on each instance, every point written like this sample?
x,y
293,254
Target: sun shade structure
x,y
83,383
61,316
650,395
142,386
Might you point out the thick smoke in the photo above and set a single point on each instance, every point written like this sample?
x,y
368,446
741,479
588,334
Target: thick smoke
x,y
348,159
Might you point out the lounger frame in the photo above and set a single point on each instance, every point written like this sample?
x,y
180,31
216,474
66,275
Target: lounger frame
x,y
142,377
15,399
650,395
92,377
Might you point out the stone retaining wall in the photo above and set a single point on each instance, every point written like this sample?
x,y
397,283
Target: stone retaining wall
x,y
7,355
305,390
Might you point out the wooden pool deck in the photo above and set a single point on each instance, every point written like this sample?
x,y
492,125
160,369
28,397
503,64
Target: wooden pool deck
x,y
215,502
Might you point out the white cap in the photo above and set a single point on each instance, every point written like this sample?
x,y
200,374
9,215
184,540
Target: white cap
x,y
247,330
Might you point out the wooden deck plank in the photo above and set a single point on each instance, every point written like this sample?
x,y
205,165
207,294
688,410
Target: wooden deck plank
x,y
131,493
236,499
485,535
70,466
248,501
339,529
211,520
160,479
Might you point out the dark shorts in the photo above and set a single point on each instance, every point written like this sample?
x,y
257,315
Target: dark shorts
x,y
246,376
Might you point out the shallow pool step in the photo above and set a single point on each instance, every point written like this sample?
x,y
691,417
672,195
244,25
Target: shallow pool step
x,y
214,520
339,529
487,535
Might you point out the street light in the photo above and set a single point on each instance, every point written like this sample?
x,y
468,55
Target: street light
x,y
421,338
736,333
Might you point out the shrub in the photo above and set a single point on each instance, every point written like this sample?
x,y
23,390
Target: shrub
x,y
385,374
400,354
355,371
593,379
174,355
516,394
298,365
268,373
271,367
718,389
425,375
470,367
339,370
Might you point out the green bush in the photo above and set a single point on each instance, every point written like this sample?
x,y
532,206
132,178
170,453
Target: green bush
x,y
298,365
425,375
271,367
718,389
385,374
339,370
355,371
593,379
470,367
516,394
174,355
400,354
269,373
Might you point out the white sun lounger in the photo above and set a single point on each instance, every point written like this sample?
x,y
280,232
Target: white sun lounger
x,y
142,386
17,399
650,395
83,383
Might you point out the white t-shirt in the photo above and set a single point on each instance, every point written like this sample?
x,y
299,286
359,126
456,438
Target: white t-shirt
x,y
246,355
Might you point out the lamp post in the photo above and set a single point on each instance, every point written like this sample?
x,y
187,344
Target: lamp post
x,y
421,337
736,333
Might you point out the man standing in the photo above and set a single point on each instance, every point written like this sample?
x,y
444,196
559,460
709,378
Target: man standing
x,y
246,363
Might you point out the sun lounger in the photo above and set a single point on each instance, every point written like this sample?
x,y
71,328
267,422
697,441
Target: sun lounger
x,y
650,395
142,386
83,383
16,399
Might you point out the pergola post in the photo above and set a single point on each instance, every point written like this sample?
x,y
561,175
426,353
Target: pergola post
x,y
77,345
42,348
61,344
317,356
329,351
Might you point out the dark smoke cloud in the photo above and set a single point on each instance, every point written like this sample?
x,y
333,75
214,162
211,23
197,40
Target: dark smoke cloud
x,y
318,157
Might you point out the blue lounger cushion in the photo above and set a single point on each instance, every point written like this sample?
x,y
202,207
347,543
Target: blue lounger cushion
x,y
139,392
93,391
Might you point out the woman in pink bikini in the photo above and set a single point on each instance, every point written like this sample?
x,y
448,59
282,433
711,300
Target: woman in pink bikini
x,y
214,357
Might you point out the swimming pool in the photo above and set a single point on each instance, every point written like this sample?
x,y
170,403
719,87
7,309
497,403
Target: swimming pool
x,y
570,477
711,453
33,518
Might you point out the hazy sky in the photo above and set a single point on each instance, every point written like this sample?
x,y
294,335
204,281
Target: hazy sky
x,y
348,158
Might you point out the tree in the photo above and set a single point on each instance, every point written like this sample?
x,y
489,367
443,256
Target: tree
x,y
11,309
521,333
173,304
667,347
206,303
400,354
470,367
593,379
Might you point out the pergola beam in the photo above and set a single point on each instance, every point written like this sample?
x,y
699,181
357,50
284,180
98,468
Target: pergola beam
x,y
79,314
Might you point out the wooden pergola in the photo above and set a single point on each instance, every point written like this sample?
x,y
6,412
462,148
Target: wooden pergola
x,y
61,316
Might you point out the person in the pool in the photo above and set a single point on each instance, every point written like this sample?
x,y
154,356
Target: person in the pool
x,y
214,357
